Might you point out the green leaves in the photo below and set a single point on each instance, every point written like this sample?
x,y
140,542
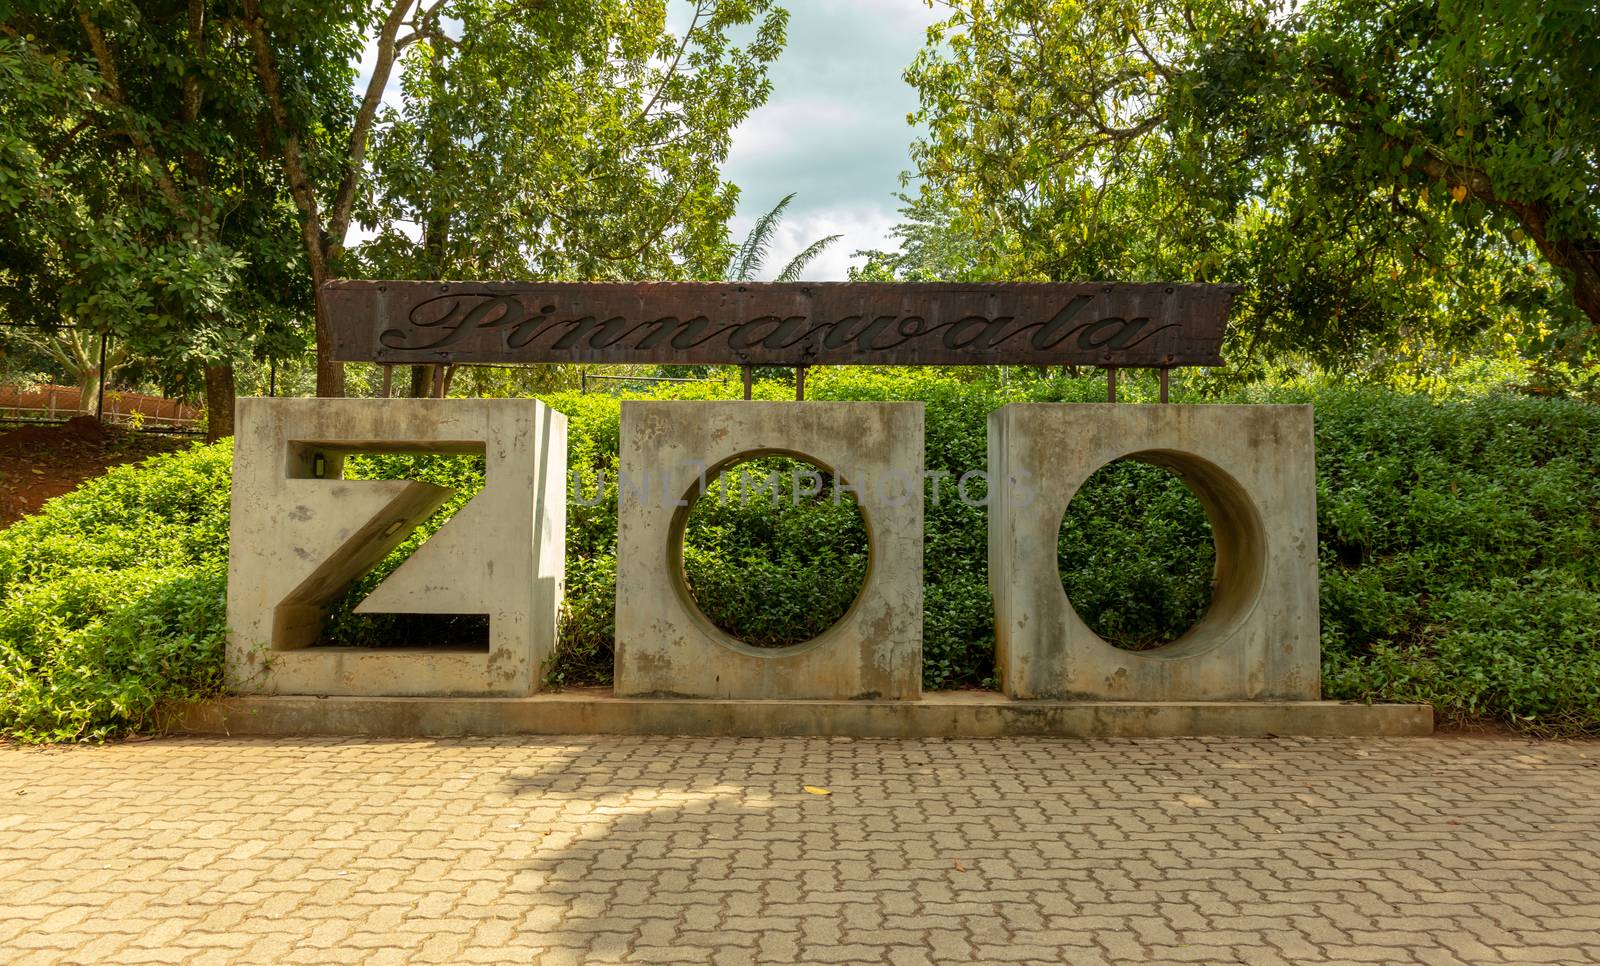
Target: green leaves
x,y
136,197
566,141
1283,147
114,600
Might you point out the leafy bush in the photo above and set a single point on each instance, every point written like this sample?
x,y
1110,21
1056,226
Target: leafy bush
x,y
770,569
1460,556
114,599
1136,556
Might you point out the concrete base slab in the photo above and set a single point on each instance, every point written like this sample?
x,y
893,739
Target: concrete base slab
x,y
952,714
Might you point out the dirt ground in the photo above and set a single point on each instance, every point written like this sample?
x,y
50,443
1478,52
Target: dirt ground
x,y
40,462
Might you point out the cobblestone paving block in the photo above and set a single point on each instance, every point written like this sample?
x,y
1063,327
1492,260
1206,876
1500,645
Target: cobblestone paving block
x,y
710,850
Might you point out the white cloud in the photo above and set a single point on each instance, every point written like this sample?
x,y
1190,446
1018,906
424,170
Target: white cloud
x,y
834,130
789,126
861,226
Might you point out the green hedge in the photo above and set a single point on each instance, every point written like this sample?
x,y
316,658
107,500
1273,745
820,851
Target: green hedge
x,y
114,599
1460,555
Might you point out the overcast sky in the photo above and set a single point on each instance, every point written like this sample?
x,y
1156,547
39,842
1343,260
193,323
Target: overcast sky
x,y
834,130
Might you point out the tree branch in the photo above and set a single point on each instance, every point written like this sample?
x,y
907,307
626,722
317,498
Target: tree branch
x,y
293,164
1565,254
424,25
193,160
344,199
672,69
1155,64
1125,133
114,98
65,142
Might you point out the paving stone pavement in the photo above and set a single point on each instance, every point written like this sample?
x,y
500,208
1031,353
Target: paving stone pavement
x,y
679,850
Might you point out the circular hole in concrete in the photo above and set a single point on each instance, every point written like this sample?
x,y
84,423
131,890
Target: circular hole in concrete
x,y
1136,555
774,552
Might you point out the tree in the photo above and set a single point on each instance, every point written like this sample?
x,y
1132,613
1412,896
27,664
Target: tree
x,y
135,199
935,245
78,352
1378,176
750,257
302,56
569,140
563,139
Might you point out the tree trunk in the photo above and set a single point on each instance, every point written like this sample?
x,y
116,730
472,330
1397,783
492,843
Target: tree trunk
x,y
435,221
421,382
88,390
1570,257
319,248
219,402
330,373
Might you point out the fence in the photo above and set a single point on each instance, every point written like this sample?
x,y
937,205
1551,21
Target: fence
x,y
48,404
54,404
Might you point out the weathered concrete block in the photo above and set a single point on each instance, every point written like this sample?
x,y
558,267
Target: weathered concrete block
x,y
1251,467
666,646
301,534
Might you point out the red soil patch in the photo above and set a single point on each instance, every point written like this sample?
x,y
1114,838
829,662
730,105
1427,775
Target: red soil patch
x,y
40,462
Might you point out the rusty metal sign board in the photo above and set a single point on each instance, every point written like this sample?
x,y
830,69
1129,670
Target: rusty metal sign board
x,y
788,324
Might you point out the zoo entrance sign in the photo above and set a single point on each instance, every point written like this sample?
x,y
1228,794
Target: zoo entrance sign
x,y
303,534
786,324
